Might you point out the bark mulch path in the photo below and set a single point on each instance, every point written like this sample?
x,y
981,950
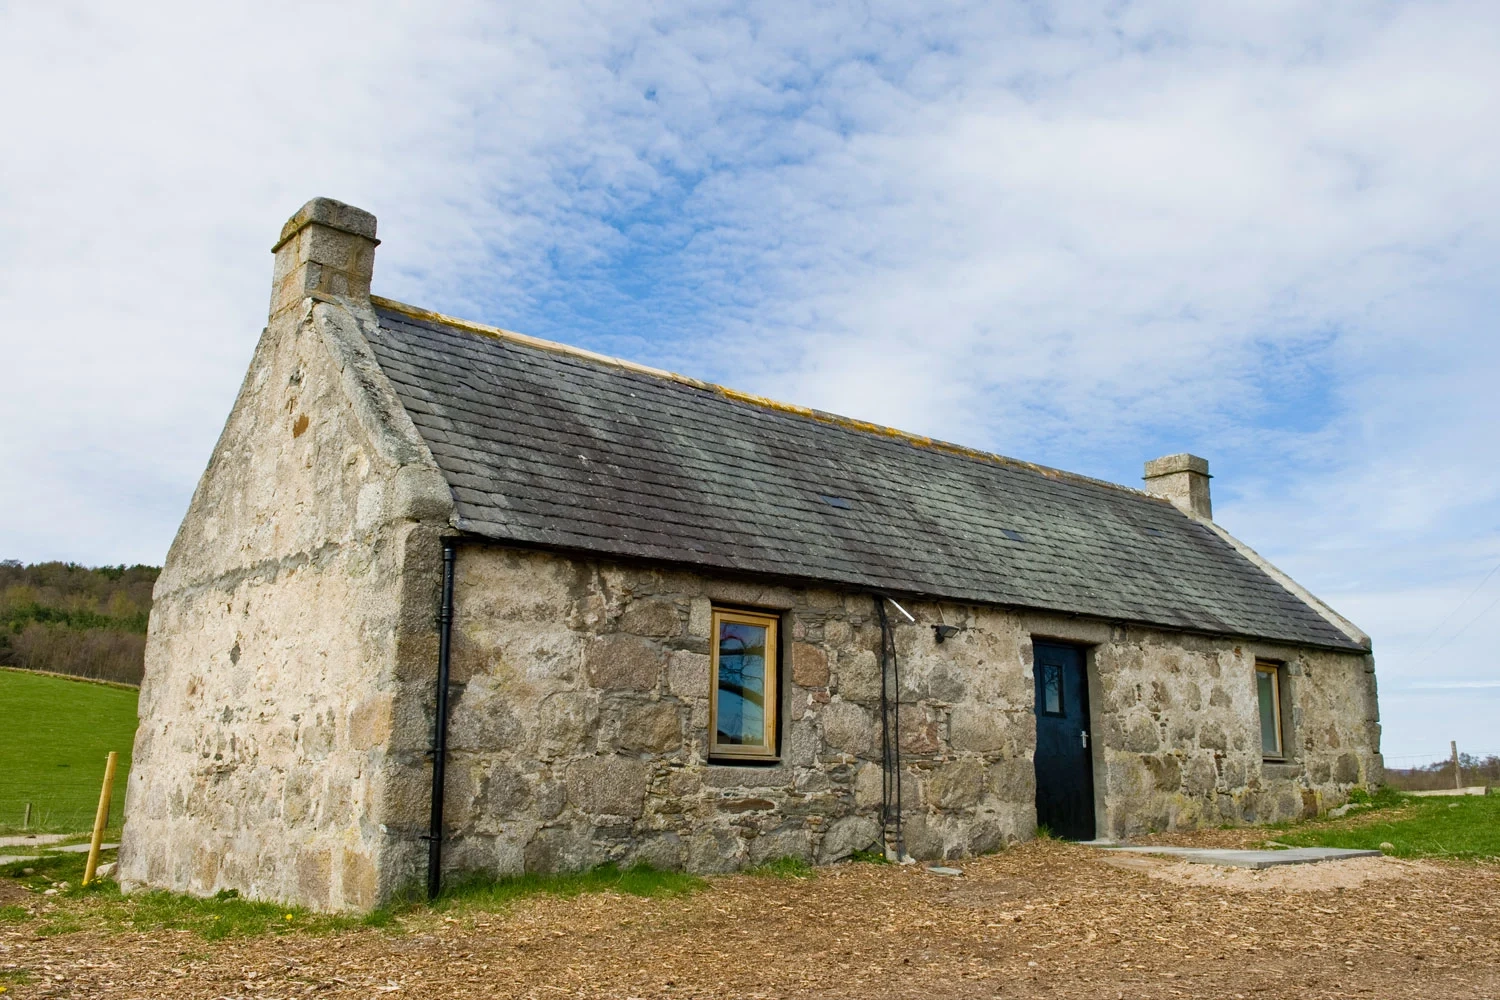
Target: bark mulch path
x,y
1044,920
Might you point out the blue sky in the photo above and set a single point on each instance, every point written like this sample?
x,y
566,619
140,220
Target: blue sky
x,y
1083,235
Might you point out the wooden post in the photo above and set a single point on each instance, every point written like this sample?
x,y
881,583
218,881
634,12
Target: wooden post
x,y
101,818
1457,780
26,818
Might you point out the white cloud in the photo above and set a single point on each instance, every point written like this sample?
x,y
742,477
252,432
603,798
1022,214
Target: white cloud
x,y
1078,237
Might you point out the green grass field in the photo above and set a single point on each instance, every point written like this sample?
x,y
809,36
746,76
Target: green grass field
x,y
1439,827
55,733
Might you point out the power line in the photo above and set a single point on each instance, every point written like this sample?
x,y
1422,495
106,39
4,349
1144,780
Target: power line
x,y
1454,610
1444,644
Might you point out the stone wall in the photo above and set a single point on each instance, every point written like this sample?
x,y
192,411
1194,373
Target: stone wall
x,y
579,724
1178,745
273,730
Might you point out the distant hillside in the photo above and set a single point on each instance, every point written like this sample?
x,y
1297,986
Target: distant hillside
x,y
75,620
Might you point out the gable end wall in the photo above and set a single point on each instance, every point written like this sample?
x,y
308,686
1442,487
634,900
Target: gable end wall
x,y
276,746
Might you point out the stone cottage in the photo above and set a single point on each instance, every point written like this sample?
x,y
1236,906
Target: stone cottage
x,y
452,598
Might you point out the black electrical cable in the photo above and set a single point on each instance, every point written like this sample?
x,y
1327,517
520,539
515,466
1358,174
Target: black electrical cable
x,y
890,732
885,734
896,742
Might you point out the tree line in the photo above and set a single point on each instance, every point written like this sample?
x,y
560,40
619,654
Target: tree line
x,y
78,620
1472,770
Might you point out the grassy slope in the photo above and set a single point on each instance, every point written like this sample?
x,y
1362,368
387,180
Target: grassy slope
x,y
1440,827
54,737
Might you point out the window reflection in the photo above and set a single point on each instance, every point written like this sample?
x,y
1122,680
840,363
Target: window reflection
x,y
742,684
1052,689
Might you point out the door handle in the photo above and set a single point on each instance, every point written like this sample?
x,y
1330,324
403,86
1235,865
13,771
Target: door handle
x,y
1084,734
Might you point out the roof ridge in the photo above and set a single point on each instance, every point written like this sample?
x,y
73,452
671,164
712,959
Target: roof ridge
x,y
823,416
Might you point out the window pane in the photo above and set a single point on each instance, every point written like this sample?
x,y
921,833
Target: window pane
x,y
1052,689
1265,689
741,715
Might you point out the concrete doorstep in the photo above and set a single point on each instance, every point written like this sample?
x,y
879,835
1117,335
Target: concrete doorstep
x,y
1251,859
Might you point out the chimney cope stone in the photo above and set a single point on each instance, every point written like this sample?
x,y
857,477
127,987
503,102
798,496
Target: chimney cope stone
x,y
1182,479
326,250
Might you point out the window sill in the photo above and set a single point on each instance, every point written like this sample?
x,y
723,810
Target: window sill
x,y
1273,767
732,761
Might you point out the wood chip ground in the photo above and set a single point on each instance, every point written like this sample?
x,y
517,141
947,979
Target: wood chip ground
x,y
1041,920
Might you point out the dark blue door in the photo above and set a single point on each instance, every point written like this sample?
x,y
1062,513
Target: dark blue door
x,y
1064,763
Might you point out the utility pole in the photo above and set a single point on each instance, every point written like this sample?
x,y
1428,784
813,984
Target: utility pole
x,y
1457,781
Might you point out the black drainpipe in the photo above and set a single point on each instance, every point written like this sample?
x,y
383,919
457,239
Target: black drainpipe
x,y
440,729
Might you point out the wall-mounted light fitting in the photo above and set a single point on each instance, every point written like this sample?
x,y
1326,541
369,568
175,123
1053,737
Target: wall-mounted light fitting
x,y
941,632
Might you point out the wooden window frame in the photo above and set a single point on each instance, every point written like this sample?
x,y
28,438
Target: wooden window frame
x,y
738,752
1274,671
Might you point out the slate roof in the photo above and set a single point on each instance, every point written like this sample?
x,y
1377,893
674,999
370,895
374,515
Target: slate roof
x,y
547,446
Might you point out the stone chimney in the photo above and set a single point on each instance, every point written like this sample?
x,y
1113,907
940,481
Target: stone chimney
x,y
1182,479
326,250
